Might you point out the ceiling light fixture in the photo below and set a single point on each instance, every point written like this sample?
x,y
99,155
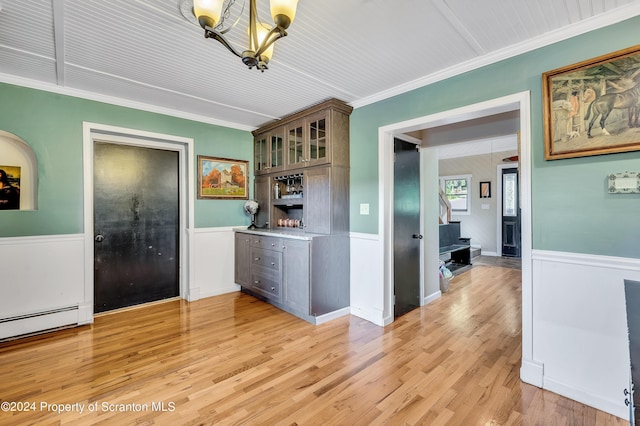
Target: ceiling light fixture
x,y
211,15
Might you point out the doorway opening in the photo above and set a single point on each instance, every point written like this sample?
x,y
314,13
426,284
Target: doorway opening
x,y
519,102
180,151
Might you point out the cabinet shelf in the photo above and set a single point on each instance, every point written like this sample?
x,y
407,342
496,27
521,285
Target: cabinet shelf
x,y
288,202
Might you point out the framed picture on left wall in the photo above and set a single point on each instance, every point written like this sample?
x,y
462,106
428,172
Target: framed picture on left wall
x,y
9,187
222,178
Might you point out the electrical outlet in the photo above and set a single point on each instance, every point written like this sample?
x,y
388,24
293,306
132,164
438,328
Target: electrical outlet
x,y
364,208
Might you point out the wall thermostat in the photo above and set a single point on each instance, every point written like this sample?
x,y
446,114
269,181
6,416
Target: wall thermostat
x,y
624,183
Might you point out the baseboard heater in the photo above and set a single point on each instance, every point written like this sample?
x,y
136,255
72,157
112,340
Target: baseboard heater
x,y
37,322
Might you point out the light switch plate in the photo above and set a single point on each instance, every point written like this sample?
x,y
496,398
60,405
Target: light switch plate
x,y
364,208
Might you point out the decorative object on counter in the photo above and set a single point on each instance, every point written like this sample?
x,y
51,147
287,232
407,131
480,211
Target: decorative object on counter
x,y
211,15
222,178
251,208
290,223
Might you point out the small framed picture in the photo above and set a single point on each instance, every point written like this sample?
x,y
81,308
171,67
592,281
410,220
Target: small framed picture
x,y
222,178
485,189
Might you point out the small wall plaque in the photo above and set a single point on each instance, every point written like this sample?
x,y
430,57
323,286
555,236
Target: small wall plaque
x,y
624,183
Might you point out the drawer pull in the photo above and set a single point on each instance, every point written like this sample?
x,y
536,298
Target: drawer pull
x,y
273,244
273,289
273,263
256,258
256,281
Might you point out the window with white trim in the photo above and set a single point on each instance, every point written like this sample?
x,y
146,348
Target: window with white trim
x,y
457,189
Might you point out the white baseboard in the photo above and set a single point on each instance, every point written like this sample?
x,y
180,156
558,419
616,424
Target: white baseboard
x,y
221,290
321,319
616,408
433,296
193,294
85,313
532,372
369,315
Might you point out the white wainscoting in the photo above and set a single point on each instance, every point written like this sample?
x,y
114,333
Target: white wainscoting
x,y
42,284
213,262
580,328
367,285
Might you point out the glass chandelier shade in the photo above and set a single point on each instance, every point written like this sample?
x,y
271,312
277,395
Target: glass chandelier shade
x,y
211,15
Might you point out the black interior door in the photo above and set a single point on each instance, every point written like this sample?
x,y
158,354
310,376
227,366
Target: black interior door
x,y
406,227
136,225
510,213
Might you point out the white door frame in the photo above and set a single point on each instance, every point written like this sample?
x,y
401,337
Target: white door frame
x,y
93,132
530,370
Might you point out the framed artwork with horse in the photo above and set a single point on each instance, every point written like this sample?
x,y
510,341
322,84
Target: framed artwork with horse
x,y
593,107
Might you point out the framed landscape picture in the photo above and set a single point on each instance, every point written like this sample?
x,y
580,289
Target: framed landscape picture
x,y
222,178
593,107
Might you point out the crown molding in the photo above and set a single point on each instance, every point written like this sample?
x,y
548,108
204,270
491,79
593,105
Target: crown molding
x,y
599,21
112,100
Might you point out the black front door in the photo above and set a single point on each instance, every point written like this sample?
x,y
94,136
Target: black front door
x,y
510,213
406,227
136,225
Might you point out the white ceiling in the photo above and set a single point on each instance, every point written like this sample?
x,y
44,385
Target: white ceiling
x,y
145,54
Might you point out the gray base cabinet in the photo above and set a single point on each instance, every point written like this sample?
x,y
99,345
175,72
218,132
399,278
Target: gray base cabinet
x,y
296,275
307,276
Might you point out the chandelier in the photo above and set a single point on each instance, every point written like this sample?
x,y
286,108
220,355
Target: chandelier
x,y
211,15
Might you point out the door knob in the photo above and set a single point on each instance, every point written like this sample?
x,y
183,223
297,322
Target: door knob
x,y
417,236
99,238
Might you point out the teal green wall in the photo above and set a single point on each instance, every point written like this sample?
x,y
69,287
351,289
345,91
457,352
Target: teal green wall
x,y
52,125
571,209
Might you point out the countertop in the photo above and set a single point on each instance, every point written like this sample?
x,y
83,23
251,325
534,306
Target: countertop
x,y
280,232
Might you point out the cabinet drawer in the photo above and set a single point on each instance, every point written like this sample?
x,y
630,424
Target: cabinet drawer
x,y
270,243
269,259
266,282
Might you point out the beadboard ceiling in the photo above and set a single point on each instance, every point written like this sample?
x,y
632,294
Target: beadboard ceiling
x,y
145,54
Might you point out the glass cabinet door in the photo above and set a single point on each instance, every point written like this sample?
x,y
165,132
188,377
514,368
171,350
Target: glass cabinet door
x,y
277,155
318,140
295,145
261,154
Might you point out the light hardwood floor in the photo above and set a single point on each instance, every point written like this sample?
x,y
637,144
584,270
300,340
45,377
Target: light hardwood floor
x,y
232,359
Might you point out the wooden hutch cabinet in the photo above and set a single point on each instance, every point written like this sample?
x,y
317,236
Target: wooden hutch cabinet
x,y
298,257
